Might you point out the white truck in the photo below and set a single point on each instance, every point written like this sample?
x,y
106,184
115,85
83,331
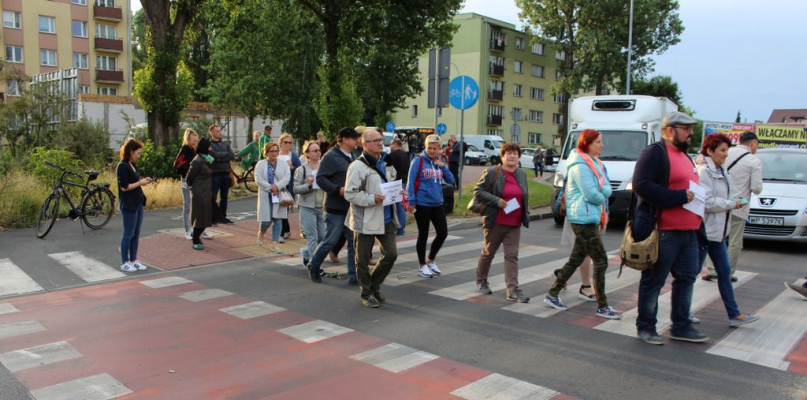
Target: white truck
x,y
628,124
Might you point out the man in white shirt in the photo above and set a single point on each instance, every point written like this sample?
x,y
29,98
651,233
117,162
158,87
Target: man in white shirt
x,y
745,172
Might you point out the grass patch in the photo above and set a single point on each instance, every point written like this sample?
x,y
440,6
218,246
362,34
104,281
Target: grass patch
x,y
539,195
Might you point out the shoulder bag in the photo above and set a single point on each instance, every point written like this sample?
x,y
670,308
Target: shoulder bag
x,y
479,207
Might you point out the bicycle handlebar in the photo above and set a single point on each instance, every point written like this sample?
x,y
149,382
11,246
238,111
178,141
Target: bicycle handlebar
x,y
64,170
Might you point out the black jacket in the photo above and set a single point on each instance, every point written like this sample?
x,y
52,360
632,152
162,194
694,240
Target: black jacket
x,y
183,160
133,199
331,177
400,160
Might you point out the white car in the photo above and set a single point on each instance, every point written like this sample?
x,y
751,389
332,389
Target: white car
x,y
474,156
780,211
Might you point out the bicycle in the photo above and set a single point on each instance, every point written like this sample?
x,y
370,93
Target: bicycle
x,y
95,208
247,177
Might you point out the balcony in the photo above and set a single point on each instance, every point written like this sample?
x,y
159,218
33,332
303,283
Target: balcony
x,y
497,44
107,13
494,120
109,44
496,69
109,76
495,95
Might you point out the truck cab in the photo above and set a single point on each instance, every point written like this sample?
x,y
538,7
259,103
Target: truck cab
x,y
628,124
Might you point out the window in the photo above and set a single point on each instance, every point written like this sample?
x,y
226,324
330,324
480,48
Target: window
x,y
498,61
80,29
559,98
496,85
517,67
515,136
79,2
557,119
105,31
536,116
12,19
516,114
538,48
106,63
496,110
534,138
47,57
105,3
414,111
558,75
47,24
14,54
496,132
14,88
520,43
537,71
536,94
560,55
109,91
517,90
83,89
80,60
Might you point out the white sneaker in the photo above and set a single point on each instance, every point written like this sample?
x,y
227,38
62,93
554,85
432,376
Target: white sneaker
x,y
281,240
128,267
275,250
188,236
433,266
425,272
207,235
140,266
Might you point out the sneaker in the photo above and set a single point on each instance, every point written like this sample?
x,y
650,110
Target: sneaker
x,y
198,246
483,287
275,250
259,242
692,335
380,297
586,297
370,302
433,266
694,319
608,313
650,336
798,289
286,235
207,235
228,221
518,296
709,278
140,266
128,267
281,240
314,274
734,279
555,303
555,273
188,236
742,320
425,272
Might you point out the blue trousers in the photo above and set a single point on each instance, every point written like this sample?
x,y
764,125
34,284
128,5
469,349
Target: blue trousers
x,y
720,259
335,228
221,185
132,220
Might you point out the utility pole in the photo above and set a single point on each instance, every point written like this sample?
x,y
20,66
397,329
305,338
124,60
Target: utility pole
x,y
630,46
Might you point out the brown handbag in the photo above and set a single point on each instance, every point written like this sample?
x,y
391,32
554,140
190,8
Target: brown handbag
x,y
478,206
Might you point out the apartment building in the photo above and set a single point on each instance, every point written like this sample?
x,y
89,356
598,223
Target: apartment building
x,y
85,40
514,75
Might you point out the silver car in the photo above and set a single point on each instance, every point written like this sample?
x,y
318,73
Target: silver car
x,y
780,211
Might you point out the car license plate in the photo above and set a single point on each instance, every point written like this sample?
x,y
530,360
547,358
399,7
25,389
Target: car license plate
x,y
776,221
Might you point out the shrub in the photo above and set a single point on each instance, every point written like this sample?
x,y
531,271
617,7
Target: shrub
x,y
88,140
46,174
157,162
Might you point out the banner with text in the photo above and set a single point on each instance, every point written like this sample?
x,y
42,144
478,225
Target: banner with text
x,y
782,135
730,129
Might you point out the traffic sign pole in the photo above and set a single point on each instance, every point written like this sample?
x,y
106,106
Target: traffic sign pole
x,y
462,145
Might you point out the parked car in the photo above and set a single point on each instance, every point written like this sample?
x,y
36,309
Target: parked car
x,y
526,158
475,157
780,211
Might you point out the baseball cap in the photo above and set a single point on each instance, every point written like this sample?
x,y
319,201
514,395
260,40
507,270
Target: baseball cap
x,y
748,135
677,118
348,133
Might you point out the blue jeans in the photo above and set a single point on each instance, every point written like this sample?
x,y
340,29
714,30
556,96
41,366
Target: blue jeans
x,y
401,219
720,258
335,227
221,185
678,254
312,221
132,220
277,226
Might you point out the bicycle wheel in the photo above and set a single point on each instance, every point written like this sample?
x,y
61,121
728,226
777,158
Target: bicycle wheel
x,y
97,208
48,215
249,181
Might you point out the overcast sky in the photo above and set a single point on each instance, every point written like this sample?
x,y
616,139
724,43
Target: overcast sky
x,y
734,55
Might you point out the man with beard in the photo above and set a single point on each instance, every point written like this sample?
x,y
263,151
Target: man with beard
x,y
661,182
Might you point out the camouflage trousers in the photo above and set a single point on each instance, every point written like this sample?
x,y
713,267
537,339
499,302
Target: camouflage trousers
x,y
587,242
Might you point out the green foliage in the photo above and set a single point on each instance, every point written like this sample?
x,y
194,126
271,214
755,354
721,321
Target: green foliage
x,y
338,105
46,174
158,161
659,86
87,140
199,125
166,97
6,163
139,40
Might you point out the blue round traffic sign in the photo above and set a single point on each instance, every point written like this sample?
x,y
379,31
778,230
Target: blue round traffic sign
x,y
390,126
442,128
463,92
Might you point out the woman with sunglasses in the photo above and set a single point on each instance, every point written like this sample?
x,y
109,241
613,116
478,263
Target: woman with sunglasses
x,y
271,175
293,161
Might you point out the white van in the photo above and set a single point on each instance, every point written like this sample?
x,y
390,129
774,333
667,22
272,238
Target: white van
x,y
628,125
489,144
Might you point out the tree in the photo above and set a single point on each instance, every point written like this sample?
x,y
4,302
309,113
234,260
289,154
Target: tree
x,y
739,117
161,84
139,40
658,86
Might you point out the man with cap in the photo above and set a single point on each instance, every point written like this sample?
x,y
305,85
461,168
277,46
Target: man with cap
x,y
265,138
745,174
331,177
661,181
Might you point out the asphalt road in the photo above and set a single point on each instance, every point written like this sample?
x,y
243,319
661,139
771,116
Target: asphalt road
x,y
567,352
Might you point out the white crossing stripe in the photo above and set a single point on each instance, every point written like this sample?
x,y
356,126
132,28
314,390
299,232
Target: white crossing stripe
x,y
204,294
20,328
252,310
394,357
14,280
703,293
7,308
571,296
96,387
40,355
768,341
295,261
500,387
314,331
466,264
166,282
89,269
